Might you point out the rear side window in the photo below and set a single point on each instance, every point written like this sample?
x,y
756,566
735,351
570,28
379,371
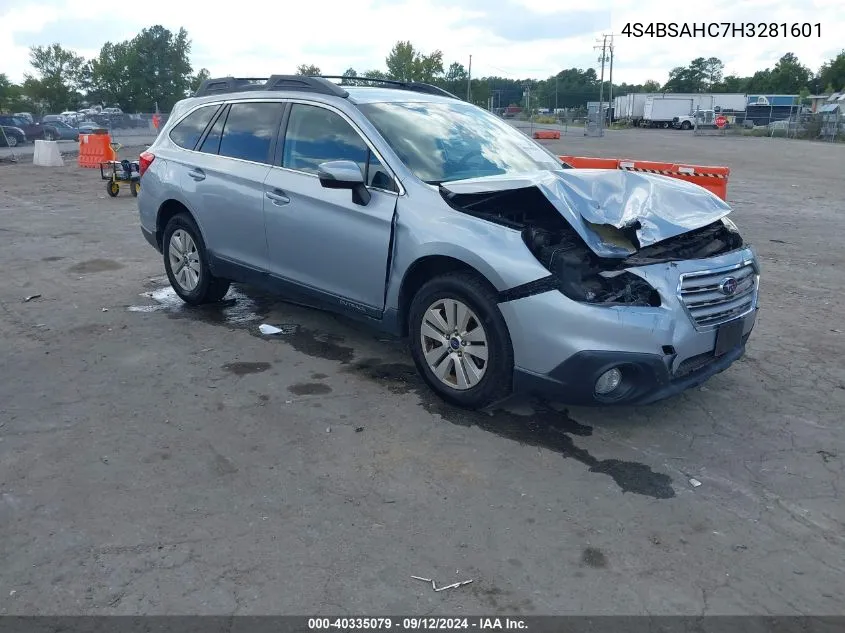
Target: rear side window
x,y
249,131
188,131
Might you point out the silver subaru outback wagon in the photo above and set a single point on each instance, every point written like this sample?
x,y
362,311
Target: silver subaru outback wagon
x,y
403,206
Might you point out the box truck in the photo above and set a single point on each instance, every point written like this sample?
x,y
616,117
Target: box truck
x,y
660,111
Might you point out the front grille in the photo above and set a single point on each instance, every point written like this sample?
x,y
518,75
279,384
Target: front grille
x,y
696,363
706,303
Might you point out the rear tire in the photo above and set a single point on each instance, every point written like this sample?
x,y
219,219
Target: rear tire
x,y
134,187
474,374
186,263
112,188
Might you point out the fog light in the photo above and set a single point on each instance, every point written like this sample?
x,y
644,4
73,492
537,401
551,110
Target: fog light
x,y
608,381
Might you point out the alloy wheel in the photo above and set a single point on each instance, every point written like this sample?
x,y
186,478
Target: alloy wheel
x,y
454,343
184,260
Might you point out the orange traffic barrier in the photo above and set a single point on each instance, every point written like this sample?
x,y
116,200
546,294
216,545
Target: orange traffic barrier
x,y
95,149
156,121
547,134
587,162
712,178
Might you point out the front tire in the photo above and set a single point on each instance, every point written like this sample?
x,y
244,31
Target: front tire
x,y
186,263
460,342
686,125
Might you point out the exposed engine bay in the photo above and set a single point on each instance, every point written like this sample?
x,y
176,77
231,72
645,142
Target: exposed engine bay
x,y
576,270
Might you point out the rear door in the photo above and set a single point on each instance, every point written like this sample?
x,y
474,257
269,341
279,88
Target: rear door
x,y
318,237
224,179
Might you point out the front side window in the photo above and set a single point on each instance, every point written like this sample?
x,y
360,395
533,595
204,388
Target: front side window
x,y
317,135
249,131
188,131
440,142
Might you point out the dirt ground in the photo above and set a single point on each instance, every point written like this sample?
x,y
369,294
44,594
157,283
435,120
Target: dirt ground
x,y
161,460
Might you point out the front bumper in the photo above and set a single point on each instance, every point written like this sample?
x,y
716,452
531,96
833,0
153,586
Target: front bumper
x,y
647,378
561,347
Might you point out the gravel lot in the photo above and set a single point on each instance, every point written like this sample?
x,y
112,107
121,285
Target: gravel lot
x,y
161,460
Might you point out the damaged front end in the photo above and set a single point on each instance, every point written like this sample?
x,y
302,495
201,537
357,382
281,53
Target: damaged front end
x,y
589,228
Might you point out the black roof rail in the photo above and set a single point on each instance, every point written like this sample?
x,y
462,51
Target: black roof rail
x,y
415,86
223,85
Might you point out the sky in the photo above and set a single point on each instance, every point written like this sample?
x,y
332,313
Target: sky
x,y
508,38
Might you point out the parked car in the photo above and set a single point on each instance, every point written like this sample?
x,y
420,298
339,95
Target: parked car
x,y
29,130
12,136
89,127
59,131
426,216
49,118
25,115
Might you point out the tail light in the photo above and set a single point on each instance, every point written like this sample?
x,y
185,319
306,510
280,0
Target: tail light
x,y
145,160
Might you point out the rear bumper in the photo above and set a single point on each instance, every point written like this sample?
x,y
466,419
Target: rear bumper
x,y
646,378
150,237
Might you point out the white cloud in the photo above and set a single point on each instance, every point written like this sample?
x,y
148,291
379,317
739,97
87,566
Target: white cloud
x,y
266,37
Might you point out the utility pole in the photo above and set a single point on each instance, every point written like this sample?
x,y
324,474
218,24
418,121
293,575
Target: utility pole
x,y
469,80
601,82
610,87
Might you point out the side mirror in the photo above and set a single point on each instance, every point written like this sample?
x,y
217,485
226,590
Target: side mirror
x,y
344,174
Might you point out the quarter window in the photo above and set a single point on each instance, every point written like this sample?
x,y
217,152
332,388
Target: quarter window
x,y
249,131
188,131
211,144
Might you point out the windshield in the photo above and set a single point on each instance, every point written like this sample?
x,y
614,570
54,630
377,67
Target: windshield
x,y
441,142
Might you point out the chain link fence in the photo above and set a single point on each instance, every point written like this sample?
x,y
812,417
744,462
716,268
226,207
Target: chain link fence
x,y
566,122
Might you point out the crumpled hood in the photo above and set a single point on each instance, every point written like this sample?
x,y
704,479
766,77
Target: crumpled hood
x,y
597,201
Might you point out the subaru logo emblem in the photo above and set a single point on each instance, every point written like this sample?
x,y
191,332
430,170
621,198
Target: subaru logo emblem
x,y
728,286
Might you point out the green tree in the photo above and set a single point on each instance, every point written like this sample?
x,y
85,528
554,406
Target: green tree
x,y
152,69
58,80
5,91
789,76
832,73
650,86
406,64
734,83
350,72
456,72
308,70
375,74
197,79
400,61
713,69
760,82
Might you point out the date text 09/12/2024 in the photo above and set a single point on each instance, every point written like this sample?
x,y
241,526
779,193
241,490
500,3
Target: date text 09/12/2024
x,y
722,29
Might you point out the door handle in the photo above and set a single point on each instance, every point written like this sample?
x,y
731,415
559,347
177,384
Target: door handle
x,y
277,197
197,174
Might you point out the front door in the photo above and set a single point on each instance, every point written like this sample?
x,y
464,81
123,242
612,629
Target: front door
x,y
317,237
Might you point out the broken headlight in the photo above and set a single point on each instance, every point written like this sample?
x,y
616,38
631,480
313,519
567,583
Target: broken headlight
x,y
621,288
729,224
583,277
